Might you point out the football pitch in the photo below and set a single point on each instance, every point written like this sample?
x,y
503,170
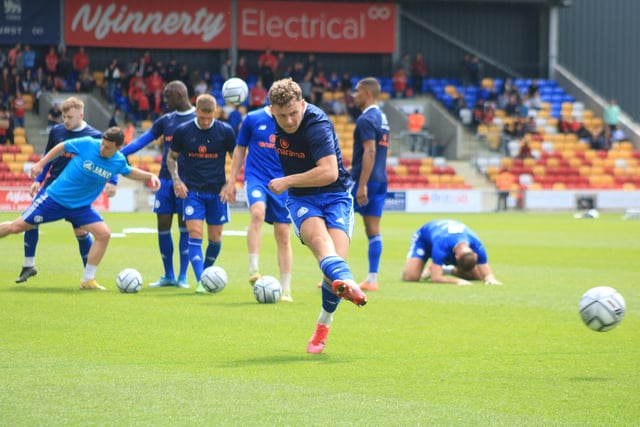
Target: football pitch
x,y
417,354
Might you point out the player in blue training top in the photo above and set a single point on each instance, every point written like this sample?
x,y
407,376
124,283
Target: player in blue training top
x,y
319,201
257,134
202,144
454,249
70,196
72,126
166,203
369,170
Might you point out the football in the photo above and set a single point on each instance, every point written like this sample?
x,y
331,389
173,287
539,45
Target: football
x,y
214,279
235,91
267,290
129,281
602,308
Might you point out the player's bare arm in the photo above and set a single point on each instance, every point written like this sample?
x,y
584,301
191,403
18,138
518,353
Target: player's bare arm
x,y
144,176
40,164
325,172
179,188
368,160
228,194
438,276
487,276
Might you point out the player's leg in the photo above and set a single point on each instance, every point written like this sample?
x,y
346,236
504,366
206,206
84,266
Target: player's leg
x,y
217,214
195,245
374,251
101,234
183,246
214,246
30,239
84,243
16,226
254,238
412,271
164,208
285,258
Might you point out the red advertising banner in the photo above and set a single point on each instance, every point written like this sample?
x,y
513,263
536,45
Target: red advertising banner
x,y
17,199
161,24
317,27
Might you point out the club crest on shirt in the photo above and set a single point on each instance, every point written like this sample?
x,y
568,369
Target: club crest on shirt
x,y
188,210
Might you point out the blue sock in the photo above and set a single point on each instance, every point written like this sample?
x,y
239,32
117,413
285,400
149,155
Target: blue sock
x,y
330,300
184,251
334,268
195,256
375,251
31,242
213,250
165,242
84,244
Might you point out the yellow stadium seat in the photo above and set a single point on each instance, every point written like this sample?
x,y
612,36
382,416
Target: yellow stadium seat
x,y
26,149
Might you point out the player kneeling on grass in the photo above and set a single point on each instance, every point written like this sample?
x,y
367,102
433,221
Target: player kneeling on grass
x,y
70,196
454,249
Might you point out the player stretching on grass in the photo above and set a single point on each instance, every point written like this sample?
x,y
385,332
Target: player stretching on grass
x,y
72,126
369,170
453,248
319,201
262,165
166,203
202,144
69,197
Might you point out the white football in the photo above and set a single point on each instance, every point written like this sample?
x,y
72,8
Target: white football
x,y
602,308
129,281
267,290
214,279
235,91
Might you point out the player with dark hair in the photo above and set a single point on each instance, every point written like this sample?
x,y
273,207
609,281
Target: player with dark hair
x,y
454,249
257,135
369,170
72,126
319,201
202,144
69,197
166,203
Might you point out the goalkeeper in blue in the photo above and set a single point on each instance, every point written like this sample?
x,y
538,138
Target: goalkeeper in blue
x,y
457,255
166,204
319,201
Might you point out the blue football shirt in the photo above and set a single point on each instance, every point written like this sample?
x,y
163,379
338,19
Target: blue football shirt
x,y
371,125
258,135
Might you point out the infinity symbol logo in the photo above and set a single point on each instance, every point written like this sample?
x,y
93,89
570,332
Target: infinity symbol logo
x,y
378,12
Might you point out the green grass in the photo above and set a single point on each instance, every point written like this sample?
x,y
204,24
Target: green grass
x,y
417,354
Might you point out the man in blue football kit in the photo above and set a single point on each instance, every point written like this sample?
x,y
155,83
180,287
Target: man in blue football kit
x,y
319,202
70,196
453,248
369,170
257,134
166,203
72,126
202,144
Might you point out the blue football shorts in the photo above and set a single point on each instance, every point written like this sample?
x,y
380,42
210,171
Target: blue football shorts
x,y
335,208
376,192
43,209
166,201
275,204
205,206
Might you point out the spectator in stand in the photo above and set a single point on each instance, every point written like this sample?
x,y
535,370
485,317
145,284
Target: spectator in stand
x,y
172,70
399,82
267,64
201,87
6,126
51,61
297,74
318,88
64,68
345,83
612,115
404,62
504,182
156,104
3,59
19,67
18,110
226,69
34,88
525,150
115,118
281,67
29,58
475,72
334,81
306,85
512,109
80,60
5,85
257,96
54,116
415,126
242,69
352,109
12,56
418,72
311,66
113,77
185,77
154,82
530,125
465,70
85,82
146,62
